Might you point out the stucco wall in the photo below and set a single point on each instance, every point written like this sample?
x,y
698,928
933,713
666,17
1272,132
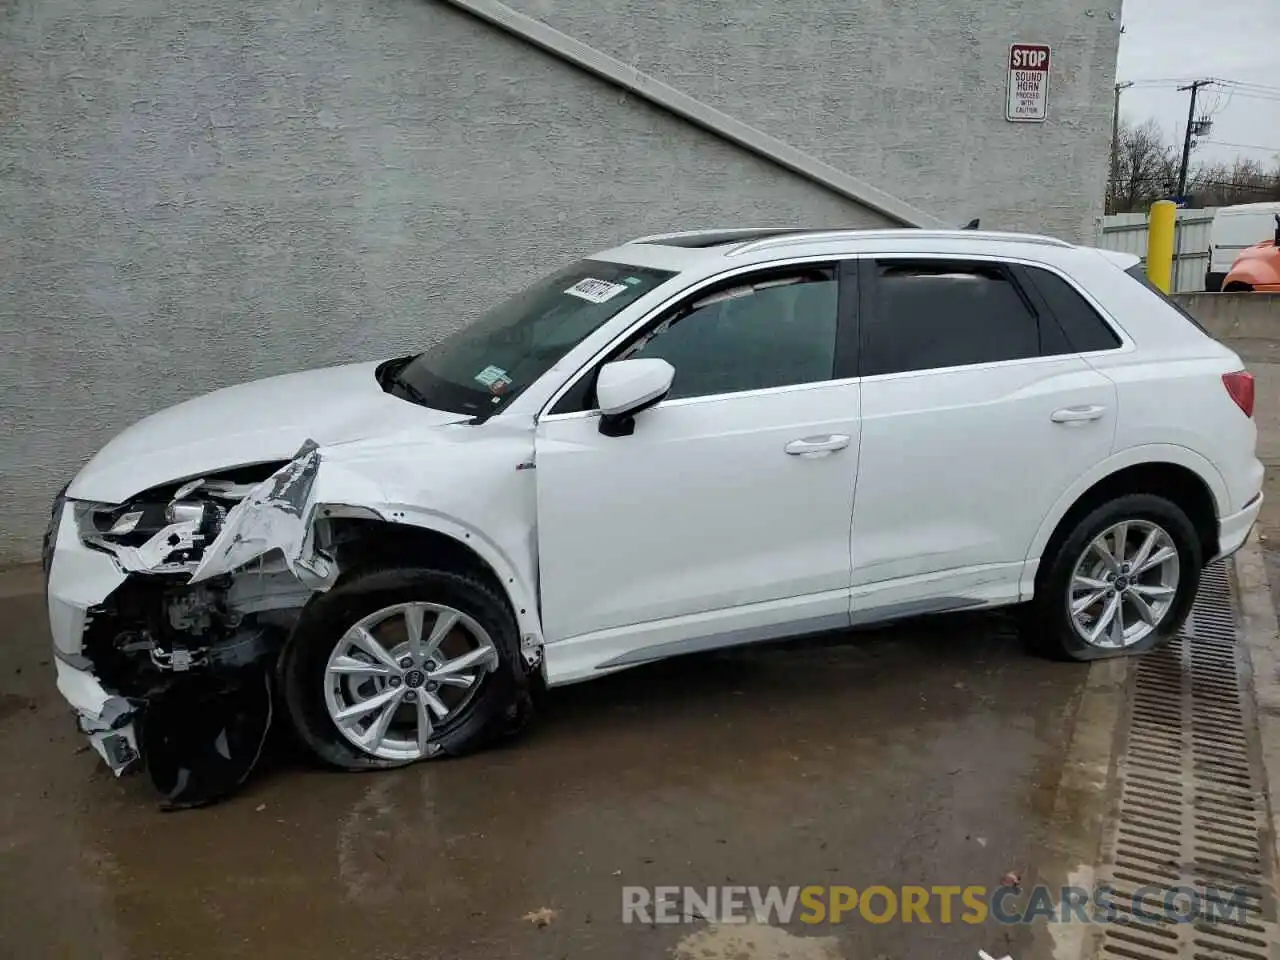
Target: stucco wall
x,y
909,95
197,194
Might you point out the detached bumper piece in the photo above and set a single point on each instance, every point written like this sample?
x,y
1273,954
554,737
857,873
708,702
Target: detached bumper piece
x,y
199,739
118,746
204,735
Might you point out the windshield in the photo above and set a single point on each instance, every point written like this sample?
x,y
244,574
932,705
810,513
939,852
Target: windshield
x,y
485,364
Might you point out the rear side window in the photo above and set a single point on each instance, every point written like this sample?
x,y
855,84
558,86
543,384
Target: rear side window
x,y
931,314
1084,328
1140,274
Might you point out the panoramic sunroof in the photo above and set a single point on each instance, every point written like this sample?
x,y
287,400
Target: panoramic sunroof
x,y
718,238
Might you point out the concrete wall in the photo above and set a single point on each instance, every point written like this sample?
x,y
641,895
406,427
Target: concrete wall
x,y
909,95
197,194
1248,323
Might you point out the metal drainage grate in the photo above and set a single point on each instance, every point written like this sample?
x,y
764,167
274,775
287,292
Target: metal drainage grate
x,y
1191,810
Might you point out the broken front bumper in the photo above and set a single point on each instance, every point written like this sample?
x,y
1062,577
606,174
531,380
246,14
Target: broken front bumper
x,y
108,721
205,721
79,578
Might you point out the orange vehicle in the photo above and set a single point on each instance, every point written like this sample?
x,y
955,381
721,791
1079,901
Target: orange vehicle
x,y
1257,268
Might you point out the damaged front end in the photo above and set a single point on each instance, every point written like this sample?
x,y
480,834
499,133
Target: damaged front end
x,y
171,666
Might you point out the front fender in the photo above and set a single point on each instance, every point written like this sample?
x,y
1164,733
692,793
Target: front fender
x,y
517,576
274,516
282,512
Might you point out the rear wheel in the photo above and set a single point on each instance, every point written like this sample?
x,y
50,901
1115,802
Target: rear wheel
x,y
399,665
1121,582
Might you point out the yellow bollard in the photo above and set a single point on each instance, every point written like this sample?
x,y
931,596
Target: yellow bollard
x,y
1164,214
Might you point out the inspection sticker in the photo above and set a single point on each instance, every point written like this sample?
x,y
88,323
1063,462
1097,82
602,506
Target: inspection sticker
x,y
597,291
491,375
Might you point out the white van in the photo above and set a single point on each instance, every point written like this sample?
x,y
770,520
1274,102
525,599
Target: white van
x,y
1235,228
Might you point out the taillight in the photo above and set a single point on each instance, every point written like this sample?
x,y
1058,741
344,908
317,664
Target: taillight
x,y
1240,385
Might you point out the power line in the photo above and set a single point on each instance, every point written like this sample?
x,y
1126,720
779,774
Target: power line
x,y
1249,84
1265,97
1254,91
1160,80
1242,146
1245,84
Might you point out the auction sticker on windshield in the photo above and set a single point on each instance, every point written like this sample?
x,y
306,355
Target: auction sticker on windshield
x,y
597,291
495,378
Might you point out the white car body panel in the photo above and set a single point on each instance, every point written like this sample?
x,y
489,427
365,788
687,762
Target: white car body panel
x,y
468,484
79,578
944,487
703,509
256,422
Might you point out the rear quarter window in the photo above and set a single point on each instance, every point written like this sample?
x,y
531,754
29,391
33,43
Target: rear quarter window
x,y
1140,274
1085,330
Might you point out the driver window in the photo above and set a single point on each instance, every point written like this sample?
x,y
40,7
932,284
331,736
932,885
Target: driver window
x,y
762,331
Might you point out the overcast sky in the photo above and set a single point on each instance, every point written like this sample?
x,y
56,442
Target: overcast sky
x,y
1169,40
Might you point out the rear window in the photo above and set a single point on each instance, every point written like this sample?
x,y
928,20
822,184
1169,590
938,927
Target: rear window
x,y
1139,273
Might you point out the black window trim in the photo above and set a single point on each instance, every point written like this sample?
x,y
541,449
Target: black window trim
x,y
846,355
1013,266
852,309
870,281
1084,295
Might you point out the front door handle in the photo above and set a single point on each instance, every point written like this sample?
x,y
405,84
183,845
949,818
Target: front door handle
x,y
817,446
1078,414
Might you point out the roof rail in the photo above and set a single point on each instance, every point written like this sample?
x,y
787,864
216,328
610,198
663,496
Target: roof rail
x,y
873,234
682,234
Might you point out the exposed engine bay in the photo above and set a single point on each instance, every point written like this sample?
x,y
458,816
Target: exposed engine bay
x,y
190,639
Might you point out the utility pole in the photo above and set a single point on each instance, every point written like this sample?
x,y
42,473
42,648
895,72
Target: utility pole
x,y
1115,144
1186,140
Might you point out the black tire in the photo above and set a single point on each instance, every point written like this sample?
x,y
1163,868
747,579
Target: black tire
x,y
500,708
1047,625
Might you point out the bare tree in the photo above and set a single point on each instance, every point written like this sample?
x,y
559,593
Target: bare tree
x,y
1146,168
1242,181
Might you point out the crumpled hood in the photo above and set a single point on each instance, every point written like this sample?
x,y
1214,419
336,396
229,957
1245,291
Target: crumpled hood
x,y
255,422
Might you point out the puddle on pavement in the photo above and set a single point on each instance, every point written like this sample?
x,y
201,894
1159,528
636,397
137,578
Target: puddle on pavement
x,y
880,759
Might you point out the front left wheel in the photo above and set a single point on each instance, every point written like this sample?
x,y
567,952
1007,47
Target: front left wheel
x,y
398,665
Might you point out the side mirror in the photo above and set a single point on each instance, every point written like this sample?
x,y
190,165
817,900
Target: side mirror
x,y
625,388
1277,236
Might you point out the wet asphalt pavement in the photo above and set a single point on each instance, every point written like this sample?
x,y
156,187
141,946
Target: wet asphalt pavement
x,y
925,753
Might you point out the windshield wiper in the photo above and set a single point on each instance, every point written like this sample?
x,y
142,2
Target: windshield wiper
x,y
390,380
408,390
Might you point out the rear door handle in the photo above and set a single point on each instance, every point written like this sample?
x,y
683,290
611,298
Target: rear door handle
x,y
1078,414
817,446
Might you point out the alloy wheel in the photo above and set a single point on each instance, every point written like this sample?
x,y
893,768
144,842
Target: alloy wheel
x,y
1123,585
402,673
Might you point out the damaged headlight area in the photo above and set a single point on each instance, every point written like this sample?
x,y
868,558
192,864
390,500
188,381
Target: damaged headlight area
x,y
190,638
165,530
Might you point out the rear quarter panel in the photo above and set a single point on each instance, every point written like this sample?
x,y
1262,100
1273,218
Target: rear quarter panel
x,y
1170,388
